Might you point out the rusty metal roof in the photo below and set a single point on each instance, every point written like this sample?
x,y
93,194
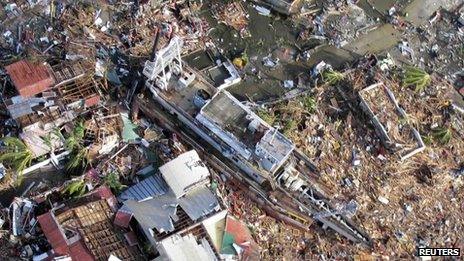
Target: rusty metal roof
x,y
29,78
122,218
52,232
91,101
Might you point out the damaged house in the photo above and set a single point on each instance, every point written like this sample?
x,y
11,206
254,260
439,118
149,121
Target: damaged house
x,y
390,121
176,210
46,98
83,229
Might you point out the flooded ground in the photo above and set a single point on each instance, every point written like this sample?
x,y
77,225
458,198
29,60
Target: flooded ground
x,y
48,175
276,36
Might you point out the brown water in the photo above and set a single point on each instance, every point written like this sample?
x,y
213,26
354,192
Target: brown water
x,y
47,175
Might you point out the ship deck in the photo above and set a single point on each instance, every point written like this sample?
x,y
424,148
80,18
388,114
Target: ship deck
x,y
183,98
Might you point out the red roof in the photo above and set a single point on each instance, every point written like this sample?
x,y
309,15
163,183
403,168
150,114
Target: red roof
x,y
104,192
238,230
242,237
30,78
94,100
122,219
79,252
53,233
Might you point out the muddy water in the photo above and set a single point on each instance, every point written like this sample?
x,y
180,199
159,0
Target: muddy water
x,y
379,8
47,175
277,34
269,35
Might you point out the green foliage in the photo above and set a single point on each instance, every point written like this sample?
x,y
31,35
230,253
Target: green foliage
x,y
77,159
416,77
442,135
332,77
16,154
112,181
75,189
74,144
58,133
427,139
245,57
75,139
48,140
289,127
266,116
309,103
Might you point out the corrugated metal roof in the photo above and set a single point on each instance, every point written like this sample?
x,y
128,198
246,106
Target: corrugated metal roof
x,y
183,172
78,251
236,232
91,101
150,187
29,78
199,202
21,106
158,212
52,232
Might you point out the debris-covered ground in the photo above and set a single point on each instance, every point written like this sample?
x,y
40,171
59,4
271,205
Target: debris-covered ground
x,y
285,62
399,201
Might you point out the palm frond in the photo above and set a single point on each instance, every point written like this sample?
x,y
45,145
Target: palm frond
x,y
79,130
112,180
443,135
416,77
14,143
75,189
332,77
309,103
16,154
78,158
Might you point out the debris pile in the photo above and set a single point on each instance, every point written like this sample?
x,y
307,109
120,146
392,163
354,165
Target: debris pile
x,y
398,200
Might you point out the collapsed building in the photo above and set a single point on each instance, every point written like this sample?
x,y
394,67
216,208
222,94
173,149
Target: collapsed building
x,y
380,104
83,229
176,211
48,97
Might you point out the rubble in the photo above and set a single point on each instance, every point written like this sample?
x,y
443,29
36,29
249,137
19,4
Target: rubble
x,y
376,190
380,155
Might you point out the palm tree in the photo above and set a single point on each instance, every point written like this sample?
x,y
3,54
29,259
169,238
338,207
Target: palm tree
x,y
75,189
75,139
16,154
74,143
112,181
78,158
416,77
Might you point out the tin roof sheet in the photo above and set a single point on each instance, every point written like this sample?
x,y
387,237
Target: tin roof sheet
x,y
150,187
30,78
183,172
